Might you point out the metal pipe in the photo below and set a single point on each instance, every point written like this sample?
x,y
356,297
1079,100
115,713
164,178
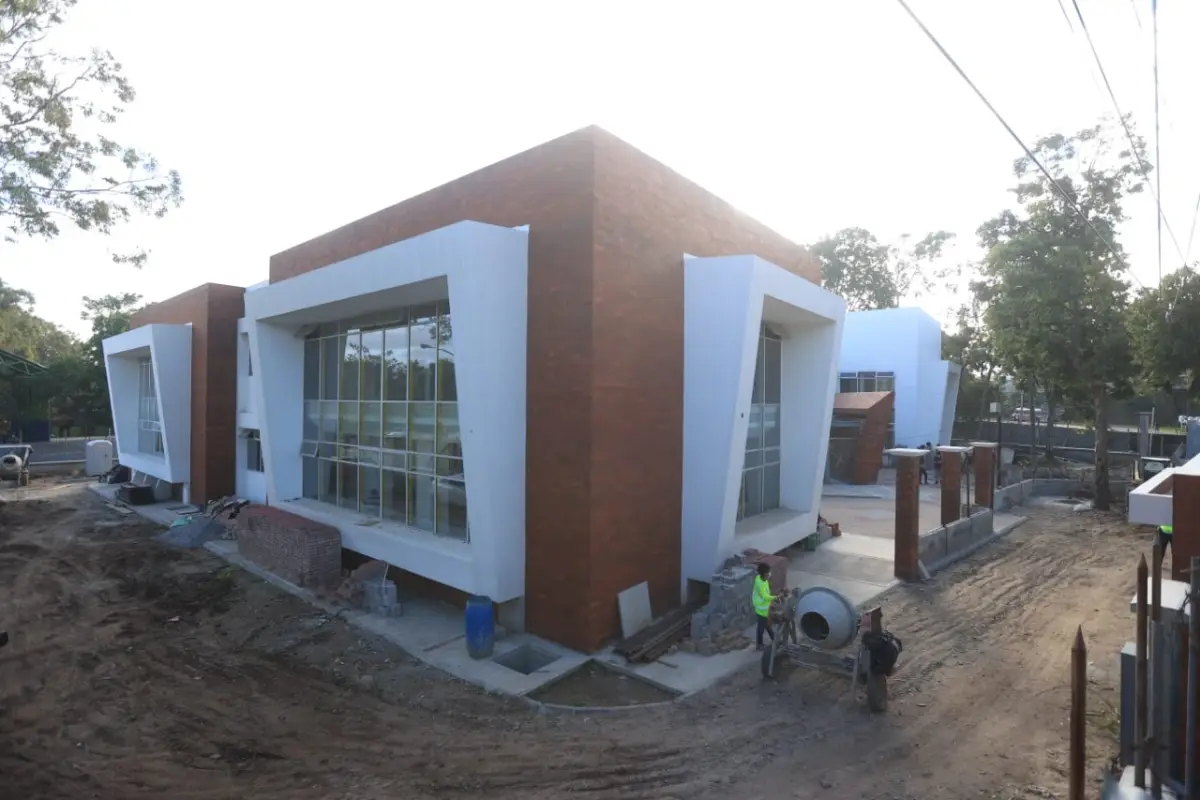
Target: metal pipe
x,y
1078,715
1193,686
1157,739
1140,680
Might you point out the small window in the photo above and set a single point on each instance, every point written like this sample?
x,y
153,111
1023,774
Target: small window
x,y
254,454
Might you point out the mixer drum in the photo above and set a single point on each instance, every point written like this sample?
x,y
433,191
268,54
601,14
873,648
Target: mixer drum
x,y
10,464
826,619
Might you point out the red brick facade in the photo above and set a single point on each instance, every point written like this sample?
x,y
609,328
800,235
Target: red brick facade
x,y
213,311
874,409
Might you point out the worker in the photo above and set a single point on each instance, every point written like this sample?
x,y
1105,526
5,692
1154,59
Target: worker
x,y
1164,537
763,600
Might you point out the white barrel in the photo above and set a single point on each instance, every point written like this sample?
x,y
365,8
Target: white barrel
x,y
826,619
98,456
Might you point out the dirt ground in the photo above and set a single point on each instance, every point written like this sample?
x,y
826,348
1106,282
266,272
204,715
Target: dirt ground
x,y
136,671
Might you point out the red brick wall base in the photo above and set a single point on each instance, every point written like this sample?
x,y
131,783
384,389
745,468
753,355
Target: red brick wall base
x,y
301,551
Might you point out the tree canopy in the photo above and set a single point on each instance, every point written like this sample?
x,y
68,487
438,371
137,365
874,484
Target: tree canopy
x,y
869,274
60,163
1052,282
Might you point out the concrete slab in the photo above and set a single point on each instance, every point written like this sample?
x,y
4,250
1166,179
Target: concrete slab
x,y
431,632
857,592
155,512
689,672
843,565
869,516
633,604
858,545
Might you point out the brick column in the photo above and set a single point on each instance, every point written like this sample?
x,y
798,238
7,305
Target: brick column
x,y
952,464
1185,521
908,515
985,473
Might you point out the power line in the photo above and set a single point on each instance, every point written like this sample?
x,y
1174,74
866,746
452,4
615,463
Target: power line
x,y
1136,15
1192,233
1070,200
1066,16
1157,141
1137,151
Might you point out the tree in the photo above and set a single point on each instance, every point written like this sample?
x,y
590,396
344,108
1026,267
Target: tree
x,y
57,162
869,274
1052,286
1164,334
109,315
970,347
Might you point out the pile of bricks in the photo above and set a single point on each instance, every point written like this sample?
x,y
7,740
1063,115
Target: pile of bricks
x,y
720,625
300,551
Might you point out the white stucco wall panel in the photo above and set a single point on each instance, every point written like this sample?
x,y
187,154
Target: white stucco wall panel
x,y
483,270
725,301
169,348
908,343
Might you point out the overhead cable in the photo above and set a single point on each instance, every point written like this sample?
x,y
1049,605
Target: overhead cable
x,y
983,98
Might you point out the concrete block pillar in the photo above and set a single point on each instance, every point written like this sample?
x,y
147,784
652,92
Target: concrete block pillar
x,y
908,512
1185,521
985,473
952,469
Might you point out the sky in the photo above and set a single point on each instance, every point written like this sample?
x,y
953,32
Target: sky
x,y
288,119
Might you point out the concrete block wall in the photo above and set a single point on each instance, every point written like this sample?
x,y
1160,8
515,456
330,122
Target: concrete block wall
x,y
306,553
943,546
1017,493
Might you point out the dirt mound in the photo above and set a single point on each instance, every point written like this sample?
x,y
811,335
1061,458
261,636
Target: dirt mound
x,y
141,671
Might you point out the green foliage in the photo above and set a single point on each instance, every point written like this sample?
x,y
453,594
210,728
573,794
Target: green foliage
x,y
870,275
1164,334
73,391
1053,297
57,162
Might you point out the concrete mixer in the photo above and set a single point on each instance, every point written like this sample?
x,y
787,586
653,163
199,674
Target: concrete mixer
x,y
820,628
14,463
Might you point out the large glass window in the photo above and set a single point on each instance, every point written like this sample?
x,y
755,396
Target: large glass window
x,y
150,438
381,432
760,473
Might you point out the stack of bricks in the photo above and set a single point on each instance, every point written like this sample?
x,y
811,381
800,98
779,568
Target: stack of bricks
x,y
719,626
300,551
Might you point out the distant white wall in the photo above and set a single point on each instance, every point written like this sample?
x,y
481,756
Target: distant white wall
x,y
908,343
725,302
483,270
169,348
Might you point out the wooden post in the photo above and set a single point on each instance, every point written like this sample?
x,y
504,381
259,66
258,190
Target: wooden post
x,y
1141,681
908,512
951,488
1078,758
877,685
1156,736
984,461
1191,778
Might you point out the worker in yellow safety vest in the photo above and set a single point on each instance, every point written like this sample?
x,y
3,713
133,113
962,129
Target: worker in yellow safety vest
x,y
1164,536
763,599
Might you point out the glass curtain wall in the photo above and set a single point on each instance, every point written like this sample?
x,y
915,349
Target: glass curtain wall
x,y
760,473
149,425
381,434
